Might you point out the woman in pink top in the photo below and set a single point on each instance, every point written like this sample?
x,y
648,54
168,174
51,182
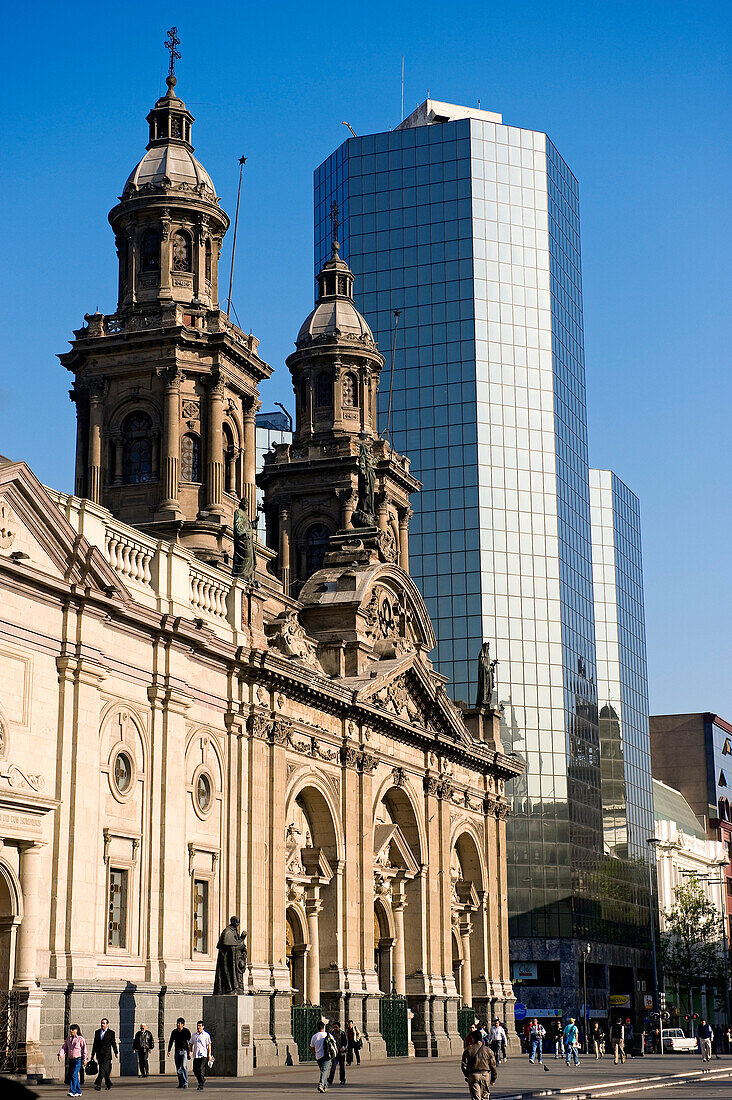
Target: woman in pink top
x,y
75,1050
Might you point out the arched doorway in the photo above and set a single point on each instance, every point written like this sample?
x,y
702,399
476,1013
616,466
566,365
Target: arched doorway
x,y
383,944
10,916
296,948
468,918
397,861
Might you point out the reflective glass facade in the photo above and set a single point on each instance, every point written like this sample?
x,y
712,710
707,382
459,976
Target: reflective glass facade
x,y
271,428
621,666
471,229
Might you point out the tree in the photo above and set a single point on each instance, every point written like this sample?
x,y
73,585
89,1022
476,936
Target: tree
x,y
691,946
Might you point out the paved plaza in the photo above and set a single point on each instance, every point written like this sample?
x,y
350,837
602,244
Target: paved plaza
x,y
409,1079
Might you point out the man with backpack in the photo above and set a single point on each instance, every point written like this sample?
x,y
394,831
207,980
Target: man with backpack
x,y
571,1041
479,1068
706,1037
339,1056
617,1040
325,1051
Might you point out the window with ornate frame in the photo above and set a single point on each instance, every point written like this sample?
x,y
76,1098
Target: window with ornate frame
x,y
316,544
200,916
190,457
350,391
137,449
182,251
117,908
324,391
208,259
150,251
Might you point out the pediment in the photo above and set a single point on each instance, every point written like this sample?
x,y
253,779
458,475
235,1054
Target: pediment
x,y
391,851
36,535
408,689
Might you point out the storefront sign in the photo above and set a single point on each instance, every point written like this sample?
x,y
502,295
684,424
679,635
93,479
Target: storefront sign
x,y
618,1000
524,972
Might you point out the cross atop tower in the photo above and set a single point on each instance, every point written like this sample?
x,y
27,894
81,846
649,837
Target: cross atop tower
x,y
171,43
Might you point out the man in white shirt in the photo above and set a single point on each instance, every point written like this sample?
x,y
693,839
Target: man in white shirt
x,y
320,1043
497,1040
200,1048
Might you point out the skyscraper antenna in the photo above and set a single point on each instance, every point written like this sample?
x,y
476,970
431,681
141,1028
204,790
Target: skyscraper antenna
x,y
242,162
397,315
401,114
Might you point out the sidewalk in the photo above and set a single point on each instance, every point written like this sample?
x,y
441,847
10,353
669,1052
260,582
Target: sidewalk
x,y
440,1079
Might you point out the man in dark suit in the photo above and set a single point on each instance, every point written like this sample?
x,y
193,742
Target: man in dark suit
x,y
105,1042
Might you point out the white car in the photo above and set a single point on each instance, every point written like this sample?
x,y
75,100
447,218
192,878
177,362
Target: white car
x,y
675,1041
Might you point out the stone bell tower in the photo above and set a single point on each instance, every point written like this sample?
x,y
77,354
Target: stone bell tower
x,y
166,387
337,483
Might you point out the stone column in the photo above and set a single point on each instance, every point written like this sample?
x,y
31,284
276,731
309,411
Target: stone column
x,y
466,975
348,503
171,441
313,907
285,547
404,518
307,413
117,450
30,926
215,456
381,513
338,396
398,905
250,457
94,461
166,258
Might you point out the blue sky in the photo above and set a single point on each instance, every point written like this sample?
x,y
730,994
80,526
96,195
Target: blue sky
x,y
634,95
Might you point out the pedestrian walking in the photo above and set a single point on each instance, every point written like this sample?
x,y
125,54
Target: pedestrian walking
x,y
323,1045
339,1061
504,1041
180,1037
497,1041
557,1041
570,1036
705,1035
142,1044
728,1040
617,1040
479,1069
74,1049
598,1040
103,1047
536,1041
355,1042
628,1043
200,1049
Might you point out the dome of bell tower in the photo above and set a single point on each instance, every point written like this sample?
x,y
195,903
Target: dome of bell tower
x,y
168,222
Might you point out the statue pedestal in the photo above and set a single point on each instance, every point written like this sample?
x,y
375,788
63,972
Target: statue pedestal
x,y
229,1020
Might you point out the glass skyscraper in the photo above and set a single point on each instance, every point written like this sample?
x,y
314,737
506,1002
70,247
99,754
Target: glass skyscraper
x,y
625,755
470,228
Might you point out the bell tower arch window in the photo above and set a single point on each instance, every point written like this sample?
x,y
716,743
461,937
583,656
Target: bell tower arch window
x,y
316,543
350,391
324,391
137,449
182,251
150,250
190,457
229,460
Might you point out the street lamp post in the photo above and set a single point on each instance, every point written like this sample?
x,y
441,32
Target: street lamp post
x,y
652,843
585,956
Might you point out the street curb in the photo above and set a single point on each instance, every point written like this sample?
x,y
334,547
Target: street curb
x,y
621,1088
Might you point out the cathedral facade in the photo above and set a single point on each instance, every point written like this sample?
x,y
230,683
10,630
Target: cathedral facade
x,y
178,745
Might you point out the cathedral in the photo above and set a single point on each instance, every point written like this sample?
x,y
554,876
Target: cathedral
x,y
196,723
